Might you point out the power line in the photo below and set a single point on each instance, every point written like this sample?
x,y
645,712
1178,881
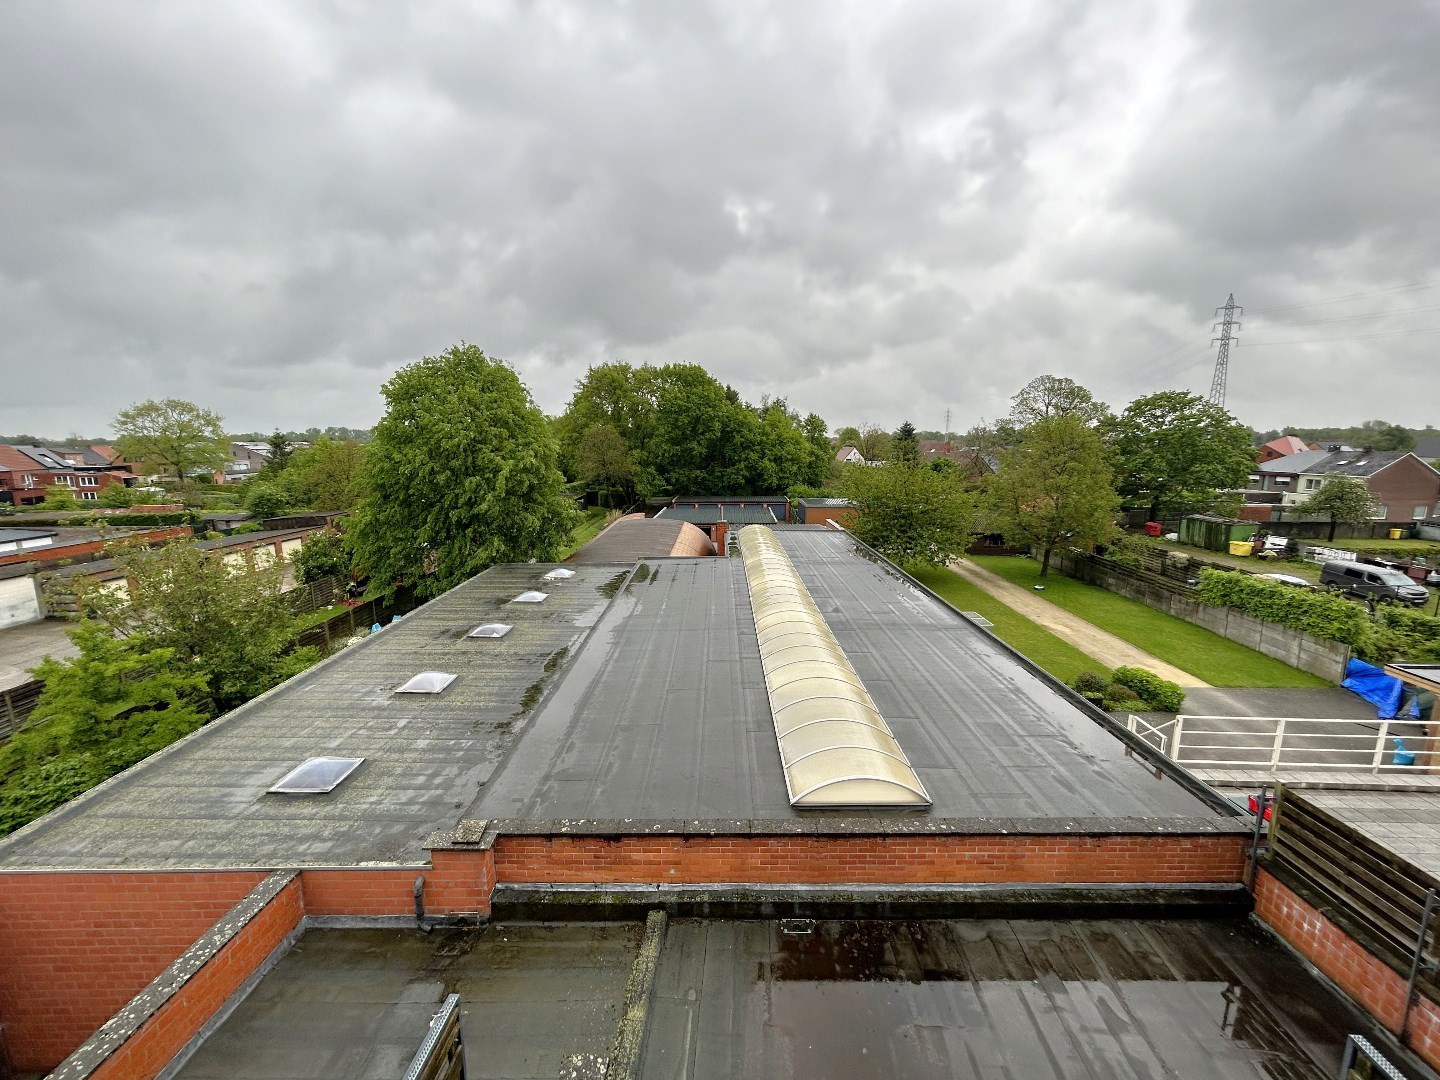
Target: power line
x,y
1354,318
1354,337
1413,286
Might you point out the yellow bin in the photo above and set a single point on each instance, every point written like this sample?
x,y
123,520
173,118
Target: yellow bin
x,y
1241,547
1396,534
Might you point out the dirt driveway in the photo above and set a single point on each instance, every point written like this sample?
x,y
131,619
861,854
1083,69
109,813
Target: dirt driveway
x,y
1095,643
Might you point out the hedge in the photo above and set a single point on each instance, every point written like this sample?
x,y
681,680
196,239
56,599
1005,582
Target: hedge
x,y
1326,615
1161,695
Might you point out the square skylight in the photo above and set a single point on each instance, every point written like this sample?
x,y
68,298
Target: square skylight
x,y
560,573
530,596
316,775
427,682
491,630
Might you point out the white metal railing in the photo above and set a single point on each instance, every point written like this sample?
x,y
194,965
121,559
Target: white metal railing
x,y
1154,734
1263,742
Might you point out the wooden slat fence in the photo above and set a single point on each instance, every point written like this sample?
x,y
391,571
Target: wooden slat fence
x,y
16,704
1373,895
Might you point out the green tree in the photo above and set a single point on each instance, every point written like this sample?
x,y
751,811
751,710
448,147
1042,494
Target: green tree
x,y
171,436
266,497
229,623
905,445
819,455
874,444
616,395
603,462
848,436
1052,395
461,475
1346,499
281,450
115,703
701,440
59,497
1054,488
118,497
323,555
327,475
910,514
1178,452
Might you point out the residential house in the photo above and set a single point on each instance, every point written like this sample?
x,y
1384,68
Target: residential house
x,y
1406,487
26,471
848,455
1284,446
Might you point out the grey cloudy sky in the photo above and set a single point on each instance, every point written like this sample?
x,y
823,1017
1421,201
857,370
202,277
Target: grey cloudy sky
x,y
878,210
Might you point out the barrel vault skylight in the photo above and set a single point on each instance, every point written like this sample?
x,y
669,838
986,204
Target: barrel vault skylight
x,y
836,749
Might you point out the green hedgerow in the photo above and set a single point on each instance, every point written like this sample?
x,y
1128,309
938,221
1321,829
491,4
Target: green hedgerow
x,y
1161,695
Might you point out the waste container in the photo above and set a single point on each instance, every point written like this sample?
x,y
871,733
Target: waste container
x,y
1241,547
1152,528
1396,534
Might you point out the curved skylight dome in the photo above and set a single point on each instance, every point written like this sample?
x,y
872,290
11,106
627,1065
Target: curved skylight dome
x,y
491,630
530,596
427,682
836,749
560,573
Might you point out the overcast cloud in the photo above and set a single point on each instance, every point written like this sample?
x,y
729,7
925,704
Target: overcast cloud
x,y
878,211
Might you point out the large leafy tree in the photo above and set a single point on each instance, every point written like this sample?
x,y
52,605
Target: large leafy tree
x,y
910,514
603,461
1346,499
327,475
171,436
874,444
229,623
1052,395
1054,488
1179,452
905,445
115,703
820,455
1380,435
618,396
461,474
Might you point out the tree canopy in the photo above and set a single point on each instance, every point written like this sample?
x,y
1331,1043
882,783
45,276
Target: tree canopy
x,y
1346,499
909,513
1052,395
171,436
1054,488
1179,452
461,474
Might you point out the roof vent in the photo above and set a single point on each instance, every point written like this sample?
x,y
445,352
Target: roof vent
x,y
491,630
530,596
560,573
427,682
316,775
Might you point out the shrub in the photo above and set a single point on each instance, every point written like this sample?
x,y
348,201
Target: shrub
x,y
1119,698
1404,634
1090,683
1326,615
1161,695
1129,550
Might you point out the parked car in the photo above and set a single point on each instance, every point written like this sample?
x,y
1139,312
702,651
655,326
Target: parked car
x,y
1287,579
1373,583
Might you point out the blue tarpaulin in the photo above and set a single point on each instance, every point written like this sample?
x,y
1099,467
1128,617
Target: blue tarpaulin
x,y
1381,690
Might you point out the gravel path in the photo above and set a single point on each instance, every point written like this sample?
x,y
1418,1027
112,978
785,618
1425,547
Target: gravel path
x,y
1090,639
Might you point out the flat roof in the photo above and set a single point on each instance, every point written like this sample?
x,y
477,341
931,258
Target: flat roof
x,y
632,538
1406,823
203,801
758,514
877,999
664,715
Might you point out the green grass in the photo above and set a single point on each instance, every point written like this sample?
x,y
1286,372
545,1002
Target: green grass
x,y
1299,568
1033,641
589,526
1417,547
1190,648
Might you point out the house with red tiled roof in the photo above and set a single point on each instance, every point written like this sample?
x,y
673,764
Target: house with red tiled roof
x,y
1284,446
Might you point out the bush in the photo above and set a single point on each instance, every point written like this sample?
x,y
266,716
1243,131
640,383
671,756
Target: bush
x,y
247,527
1326,615
1161,695
1129,550
1404,634
322,555
1120,698
1090,683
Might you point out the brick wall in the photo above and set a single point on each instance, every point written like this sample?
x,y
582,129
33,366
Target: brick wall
x,y
180,1019
60,552
1372,983
807,860
78,946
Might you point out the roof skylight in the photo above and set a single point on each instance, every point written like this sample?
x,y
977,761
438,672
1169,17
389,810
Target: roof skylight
x,y
530,596
491,630
427,682
560,573
316,775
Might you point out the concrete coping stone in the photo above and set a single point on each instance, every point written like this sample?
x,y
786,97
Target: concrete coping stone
x,y
482,834
114,1033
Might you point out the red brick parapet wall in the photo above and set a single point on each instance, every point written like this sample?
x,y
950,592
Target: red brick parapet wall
x,y
864,860
1373,984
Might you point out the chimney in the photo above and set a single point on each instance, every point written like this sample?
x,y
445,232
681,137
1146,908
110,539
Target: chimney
x,y
718,535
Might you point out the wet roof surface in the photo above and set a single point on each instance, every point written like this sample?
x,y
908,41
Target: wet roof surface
x,y
1405,822
1022,999
1032,1000
354,1004
665,715
204,802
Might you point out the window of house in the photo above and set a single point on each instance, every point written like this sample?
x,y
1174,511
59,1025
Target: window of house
x,y
68,481
29,480
1382,513
87,481
89,496
1311,483
1421,513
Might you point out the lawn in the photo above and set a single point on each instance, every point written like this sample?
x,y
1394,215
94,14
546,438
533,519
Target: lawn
x,y
1190,648
589,526
1299,568
1041,647
1424,548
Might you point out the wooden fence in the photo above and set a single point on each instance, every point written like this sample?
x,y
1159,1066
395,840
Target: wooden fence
x,y
16,704
1376,897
